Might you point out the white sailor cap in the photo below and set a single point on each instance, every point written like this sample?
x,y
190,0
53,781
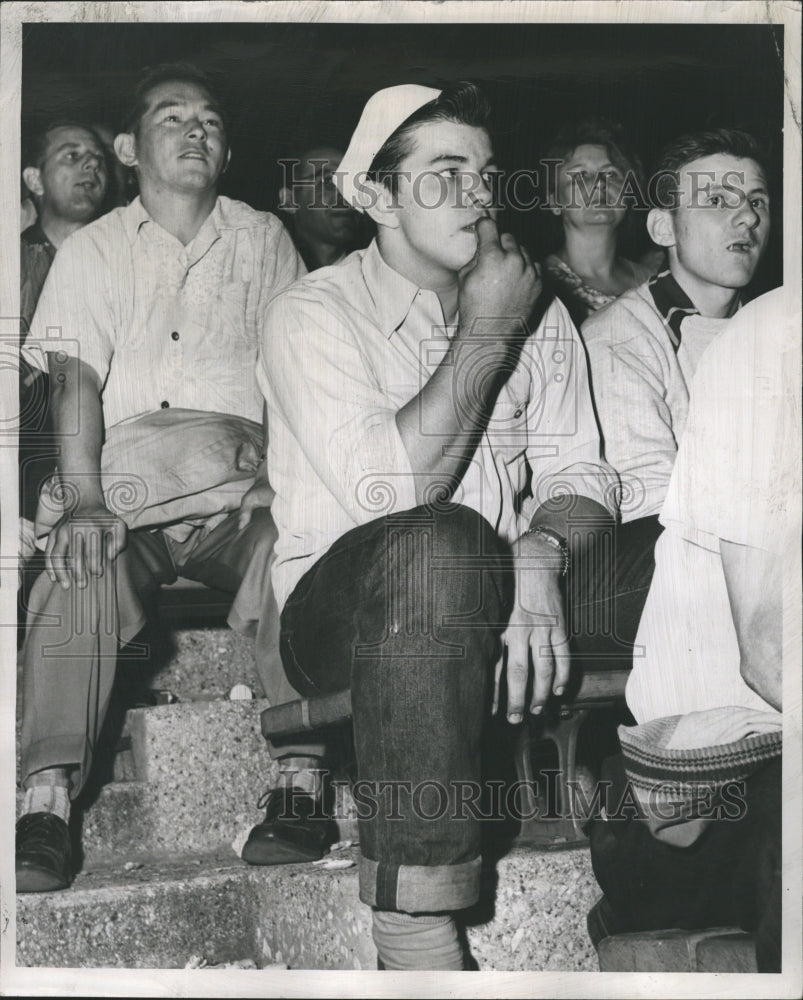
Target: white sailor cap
x,y
381,116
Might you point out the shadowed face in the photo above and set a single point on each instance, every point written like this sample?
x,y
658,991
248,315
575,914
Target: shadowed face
x,y
72,176
589,187
321,214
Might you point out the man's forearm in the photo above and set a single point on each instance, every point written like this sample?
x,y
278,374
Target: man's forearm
x,y
753,579
78,421
441,426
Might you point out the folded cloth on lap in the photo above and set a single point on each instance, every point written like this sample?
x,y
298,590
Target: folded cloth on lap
x,y
172,468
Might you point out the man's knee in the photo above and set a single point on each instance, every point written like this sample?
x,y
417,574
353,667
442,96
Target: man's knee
x,y
463,560
454,530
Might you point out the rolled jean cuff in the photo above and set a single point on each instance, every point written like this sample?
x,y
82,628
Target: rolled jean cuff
x,y
419,888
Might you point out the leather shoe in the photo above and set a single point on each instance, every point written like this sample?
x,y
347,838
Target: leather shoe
x,y
294,830
43,853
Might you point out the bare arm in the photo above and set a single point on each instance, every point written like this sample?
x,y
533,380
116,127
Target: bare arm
x,y
88,535
497,293
753,578
537,629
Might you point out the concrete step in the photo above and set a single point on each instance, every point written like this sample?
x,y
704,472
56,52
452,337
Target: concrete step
x,y
195,663
196,771
715,949
199,747
162,913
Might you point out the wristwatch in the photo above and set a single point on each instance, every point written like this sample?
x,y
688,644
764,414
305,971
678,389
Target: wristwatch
x,y
551,537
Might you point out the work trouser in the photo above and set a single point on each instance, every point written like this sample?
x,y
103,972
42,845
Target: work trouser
x,y
74,636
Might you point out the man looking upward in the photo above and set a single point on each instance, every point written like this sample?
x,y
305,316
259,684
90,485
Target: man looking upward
x,y
157,304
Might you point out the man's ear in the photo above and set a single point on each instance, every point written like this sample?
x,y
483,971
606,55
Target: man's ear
x,y
228,160
125,147
286,203
381,204
33,180
661,227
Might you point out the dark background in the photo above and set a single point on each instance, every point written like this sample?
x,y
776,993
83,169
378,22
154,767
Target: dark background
x,y
292,85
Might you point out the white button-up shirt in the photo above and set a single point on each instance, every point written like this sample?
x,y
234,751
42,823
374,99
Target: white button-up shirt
x,y
641,390
163,324
342,351
736,478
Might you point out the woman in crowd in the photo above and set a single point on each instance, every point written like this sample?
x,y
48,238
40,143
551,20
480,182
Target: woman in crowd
x,y
588,192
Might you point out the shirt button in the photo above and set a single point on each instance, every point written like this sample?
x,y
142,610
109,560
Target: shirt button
x,y
165,404
174,335
517,413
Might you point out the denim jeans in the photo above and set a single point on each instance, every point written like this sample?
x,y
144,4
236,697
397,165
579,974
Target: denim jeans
x,y
408,610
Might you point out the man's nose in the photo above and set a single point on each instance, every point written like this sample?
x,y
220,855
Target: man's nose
x,y
747,214
483,191
195,128
93,161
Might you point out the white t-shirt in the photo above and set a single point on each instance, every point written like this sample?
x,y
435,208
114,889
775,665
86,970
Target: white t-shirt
x,y
734,479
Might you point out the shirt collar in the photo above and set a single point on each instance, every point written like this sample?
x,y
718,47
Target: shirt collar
x,y
135,215
672,303
34,234
392,293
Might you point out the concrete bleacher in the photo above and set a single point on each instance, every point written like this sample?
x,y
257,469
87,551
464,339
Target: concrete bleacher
x,y
161,883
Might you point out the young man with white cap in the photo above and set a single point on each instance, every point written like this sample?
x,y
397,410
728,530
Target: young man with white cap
x,y
431,460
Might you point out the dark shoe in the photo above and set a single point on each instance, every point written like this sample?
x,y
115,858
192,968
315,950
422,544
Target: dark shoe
x,y
294,830
43,853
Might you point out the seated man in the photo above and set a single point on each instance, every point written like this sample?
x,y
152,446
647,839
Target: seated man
x,y
65,170
713,218
325,229
156,304
437,467
704,761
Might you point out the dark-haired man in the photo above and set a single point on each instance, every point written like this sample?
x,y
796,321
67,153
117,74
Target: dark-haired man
x,y
157,305
712,216
430,458
66,172
324,227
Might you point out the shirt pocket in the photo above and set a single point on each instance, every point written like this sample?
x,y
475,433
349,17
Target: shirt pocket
x,y
507,428
236,313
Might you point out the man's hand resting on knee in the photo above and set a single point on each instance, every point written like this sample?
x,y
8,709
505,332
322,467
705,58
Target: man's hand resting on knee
x,y
536,631
84,543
